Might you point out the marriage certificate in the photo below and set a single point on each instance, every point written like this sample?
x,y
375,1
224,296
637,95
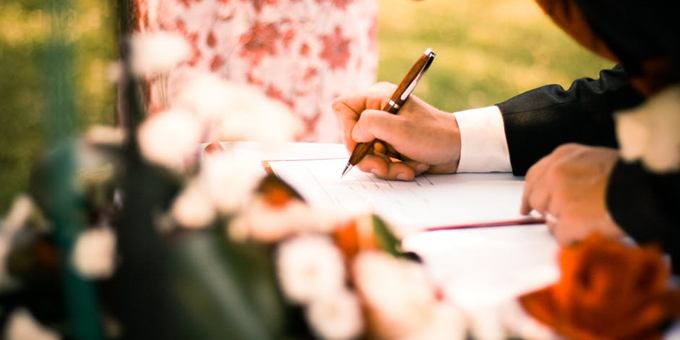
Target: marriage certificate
x,y
426,202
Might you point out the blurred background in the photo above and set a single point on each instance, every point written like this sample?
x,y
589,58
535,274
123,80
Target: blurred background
x,y
488,51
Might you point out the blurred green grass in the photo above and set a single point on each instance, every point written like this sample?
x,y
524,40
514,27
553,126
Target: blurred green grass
x,y
488,51
24,30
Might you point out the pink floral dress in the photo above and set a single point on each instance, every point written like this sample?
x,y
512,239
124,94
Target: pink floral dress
x,y
301,52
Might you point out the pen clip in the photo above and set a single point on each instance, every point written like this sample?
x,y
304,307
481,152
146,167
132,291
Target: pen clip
x,y
412,86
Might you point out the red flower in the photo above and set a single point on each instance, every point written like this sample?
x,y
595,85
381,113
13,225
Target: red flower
x,y
342,4
258,4
211,40
335,49
275,93
259,41
288,37
607,290
304,50
310,74
216,62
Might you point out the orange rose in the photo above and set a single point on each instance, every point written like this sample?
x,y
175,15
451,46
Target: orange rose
x,y
607,290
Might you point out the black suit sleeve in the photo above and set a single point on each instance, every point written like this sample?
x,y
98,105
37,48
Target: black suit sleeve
x,y
538,121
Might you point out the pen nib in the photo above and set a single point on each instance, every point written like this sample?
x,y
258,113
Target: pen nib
x,y
347,168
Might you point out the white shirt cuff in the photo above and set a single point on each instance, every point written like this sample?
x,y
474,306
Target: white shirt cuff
x,y
483,145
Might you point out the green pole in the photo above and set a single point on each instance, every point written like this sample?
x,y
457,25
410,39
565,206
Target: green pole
x,y
59,120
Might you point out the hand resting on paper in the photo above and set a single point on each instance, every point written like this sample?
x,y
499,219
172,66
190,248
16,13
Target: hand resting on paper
x,y
570,184
426,138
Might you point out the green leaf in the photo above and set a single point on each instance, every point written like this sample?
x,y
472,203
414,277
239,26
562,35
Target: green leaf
x,y
385,237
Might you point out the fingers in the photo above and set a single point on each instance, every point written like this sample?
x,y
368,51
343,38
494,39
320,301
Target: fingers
x,y
347,118
539,200
349,107
534,181
418,167
382,167
375,164
376,124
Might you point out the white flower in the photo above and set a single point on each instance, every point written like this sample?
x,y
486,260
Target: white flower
x,y
114,71
157,52
397,291
230,179
260,119
238,111
445,322
486,323
310,267
336,316
263,222
238,229
22,326
207,96
19,213
650,131
170,138
519,324
94,253
105,135
193,208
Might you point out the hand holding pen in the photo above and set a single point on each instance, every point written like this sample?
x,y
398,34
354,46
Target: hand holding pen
x,y
396,101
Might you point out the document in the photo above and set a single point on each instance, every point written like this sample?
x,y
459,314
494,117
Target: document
x,y
428,201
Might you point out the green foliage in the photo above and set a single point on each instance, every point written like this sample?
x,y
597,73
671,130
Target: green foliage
x,y
24,29
227,290
386,239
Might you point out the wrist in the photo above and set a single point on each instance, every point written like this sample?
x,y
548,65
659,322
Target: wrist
x,y
448,145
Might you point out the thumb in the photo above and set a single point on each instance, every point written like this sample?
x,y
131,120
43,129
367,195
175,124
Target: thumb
x,y
374,124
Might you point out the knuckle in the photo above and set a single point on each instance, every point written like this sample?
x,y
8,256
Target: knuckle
x,y
536,202
556,174
337,104
568,147
530,175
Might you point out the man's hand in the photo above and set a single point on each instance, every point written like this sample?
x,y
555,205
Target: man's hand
x,y
426,138
570,185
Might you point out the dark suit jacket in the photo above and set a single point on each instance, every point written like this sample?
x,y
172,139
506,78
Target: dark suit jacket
x,y
645,205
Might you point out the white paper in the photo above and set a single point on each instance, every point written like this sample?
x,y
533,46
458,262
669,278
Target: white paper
x,y
485,267
428,201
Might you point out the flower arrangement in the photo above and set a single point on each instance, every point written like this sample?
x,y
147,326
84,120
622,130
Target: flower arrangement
x,y
349,276
334,276
188,241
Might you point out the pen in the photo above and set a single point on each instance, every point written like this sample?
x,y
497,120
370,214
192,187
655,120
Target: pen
x,y
399,97
529,220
